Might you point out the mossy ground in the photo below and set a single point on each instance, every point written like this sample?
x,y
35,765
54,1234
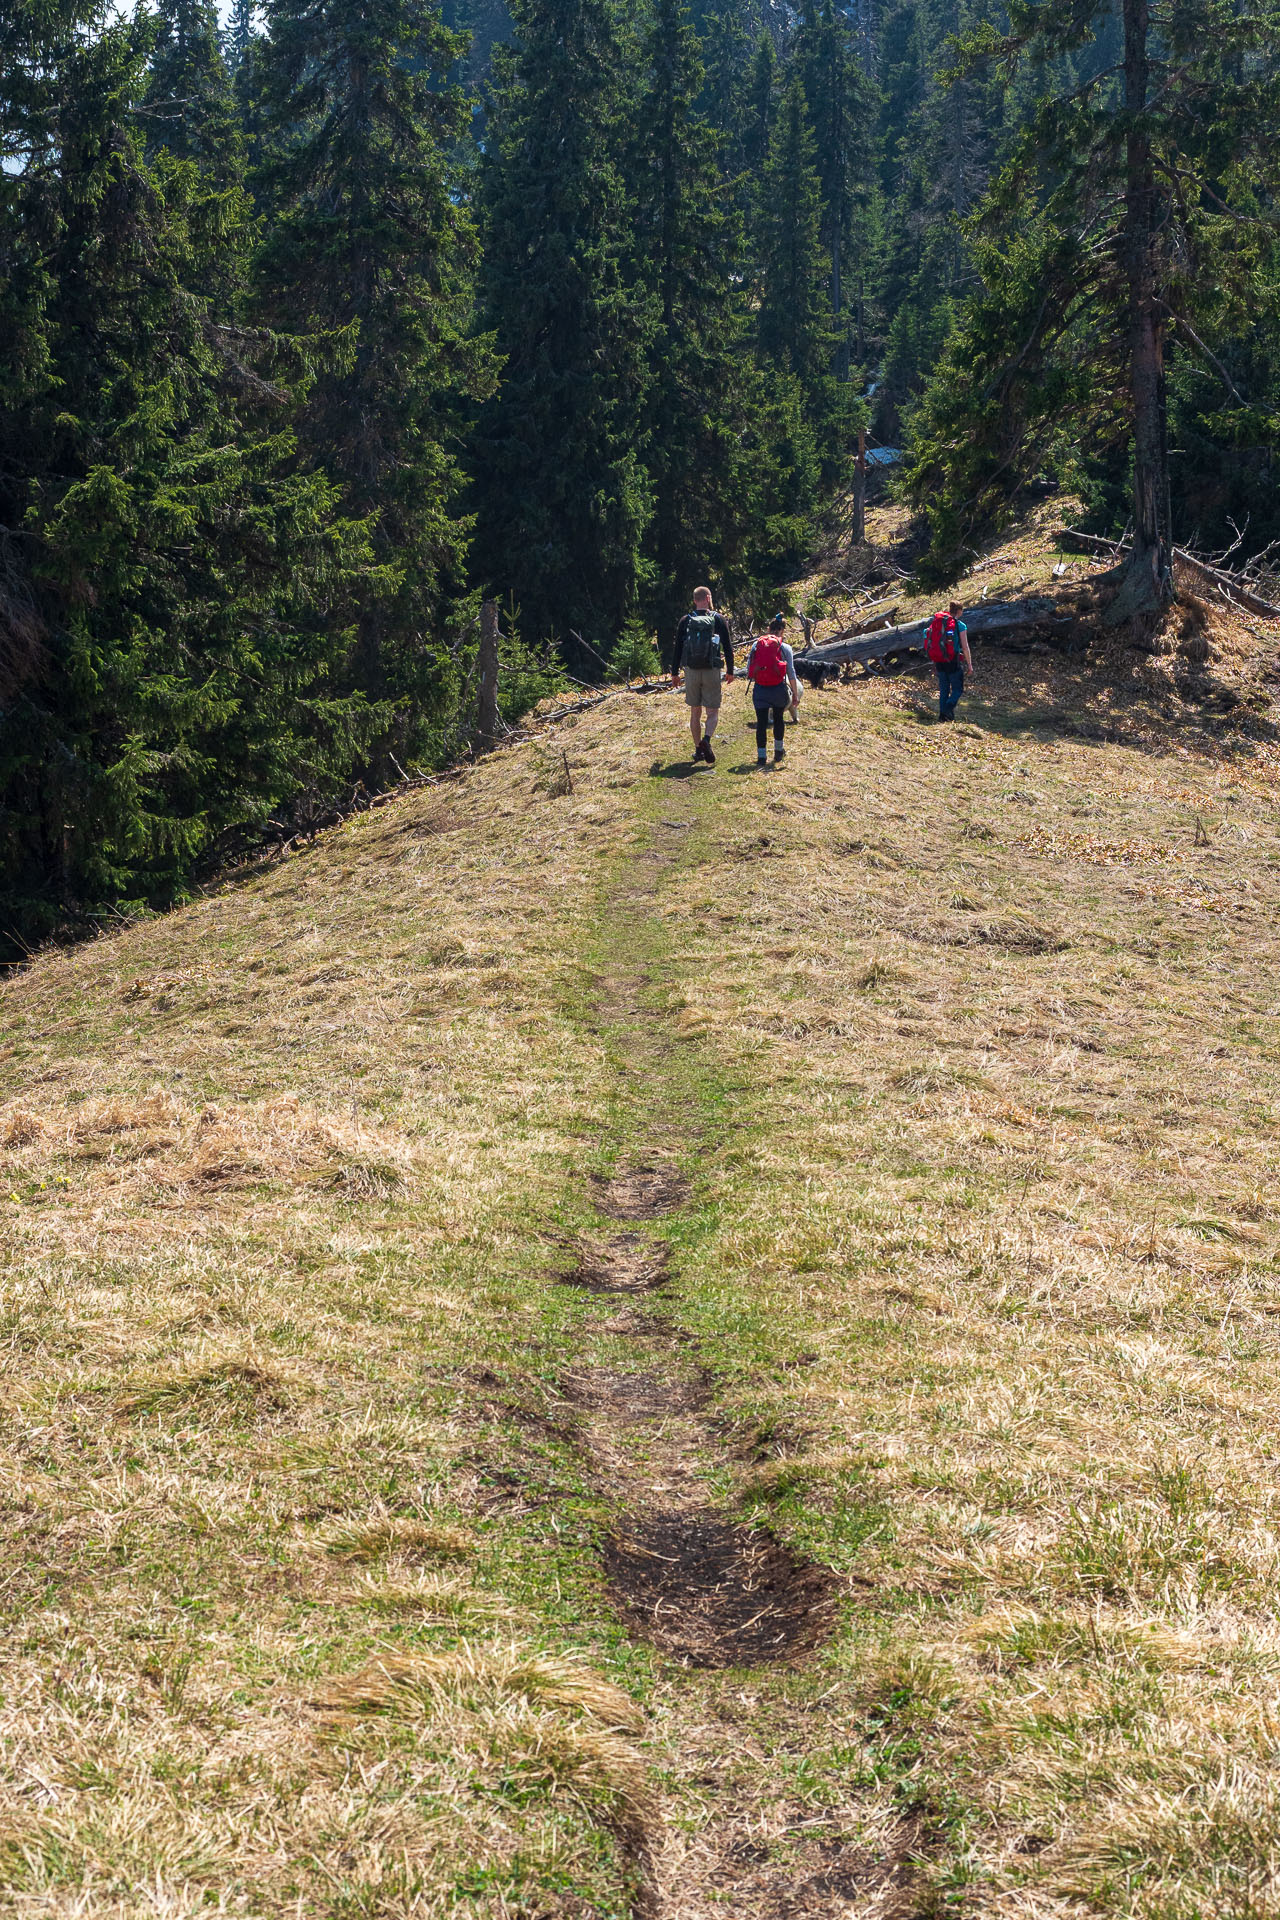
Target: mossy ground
x,y
964,1041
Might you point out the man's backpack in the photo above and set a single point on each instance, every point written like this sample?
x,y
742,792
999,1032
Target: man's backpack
x,y
940,641
701,641
768,662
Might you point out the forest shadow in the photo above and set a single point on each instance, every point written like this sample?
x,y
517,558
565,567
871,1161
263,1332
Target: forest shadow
x,y
1206,717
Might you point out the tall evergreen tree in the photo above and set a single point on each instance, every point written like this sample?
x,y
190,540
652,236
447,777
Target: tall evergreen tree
x,y
190,108
179,596
762,100
1122,223
369,244
726,31
701,433
240,33
794,320
191,114
839,101
561,494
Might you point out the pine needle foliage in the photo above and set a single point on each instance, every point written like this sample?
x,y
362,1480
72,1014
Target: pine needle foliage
x,y
369,245
1131,221
705,432
174,595
562,497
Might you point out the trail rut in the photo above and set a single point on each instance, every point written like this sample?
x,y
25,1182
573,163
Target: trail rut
x,y
707,1590
710,1593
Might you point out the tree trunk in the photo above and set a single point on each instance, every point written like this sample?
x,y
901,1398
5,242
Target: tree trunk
x,y
487,669
842,350
858,532
1146,581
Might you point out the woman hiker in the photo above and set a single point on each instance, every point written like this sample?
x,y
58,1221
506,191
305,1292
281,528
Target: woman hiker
x,y
771,670
946,644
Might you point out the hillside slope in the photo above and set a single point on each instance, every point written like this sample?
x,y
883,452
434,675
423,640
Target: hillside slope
x,y
700,1343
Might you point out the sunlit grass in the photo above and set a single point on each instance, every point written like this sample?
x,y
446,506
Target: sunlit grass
x,y
300,1579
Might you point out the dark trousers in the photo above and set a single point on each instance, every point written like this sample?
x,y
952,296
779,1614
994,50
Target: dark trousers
x,y
766,704
950,687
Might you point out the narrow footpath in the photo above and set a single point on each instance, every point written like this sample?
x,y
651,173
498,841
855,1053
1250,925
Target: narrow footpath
x,y
711,1594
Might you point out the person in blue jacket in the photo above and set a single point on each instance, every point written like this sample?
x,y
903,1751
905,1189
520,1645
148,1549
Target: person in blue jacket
x,y
947,646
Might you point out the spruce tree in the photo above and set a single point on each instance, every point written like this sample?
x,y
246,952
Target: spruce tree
x,y
839,102
701,423
190,107
191,114
762,100
561,495
240,33
1117,234
940,135
180,595
724,30
369,246
793,325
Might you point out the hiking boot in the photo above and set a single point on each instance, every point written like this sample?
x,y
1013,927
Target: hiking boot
x,y
779,753
708,753
700,751
762,758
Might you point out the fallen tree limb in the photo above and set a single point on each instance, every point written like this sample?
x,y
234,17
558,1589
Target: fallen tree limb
x,y
991,618
857,628
1076,542
1227,583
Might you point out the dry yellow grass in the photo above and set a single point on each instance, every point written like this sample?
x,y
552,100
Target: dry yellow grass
x,y
964,1038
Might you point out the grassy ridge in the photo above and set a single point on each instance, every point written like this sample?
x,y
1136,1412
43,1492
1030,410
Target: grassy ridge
x,y
963,1040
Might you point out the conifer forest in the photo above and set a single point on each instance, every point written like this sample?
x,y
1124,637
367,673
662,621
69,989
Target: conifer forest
x,y
325,320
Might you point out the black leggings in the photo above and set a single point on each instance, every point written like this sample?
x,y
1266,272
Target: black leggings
x,y
762,725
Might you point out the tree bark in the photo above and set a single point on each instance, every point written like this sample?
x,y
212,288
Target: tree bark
x,y
842,350
1145,586
487,669
858,532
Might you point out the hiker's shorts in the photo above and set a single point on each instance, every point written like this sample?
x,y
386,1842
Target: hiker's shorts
x,y
702,687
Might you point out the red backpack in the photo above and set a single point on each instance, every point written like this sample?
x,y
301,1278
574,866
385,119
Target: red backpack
x,y
768,662
940,641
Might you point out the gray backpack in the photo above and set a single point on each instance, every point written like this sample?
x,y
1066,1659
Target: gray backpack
x,y
701,641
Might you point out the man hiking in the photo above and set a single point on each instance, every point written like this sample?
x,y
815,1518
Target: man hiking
x,y
771,669
946,644
703,640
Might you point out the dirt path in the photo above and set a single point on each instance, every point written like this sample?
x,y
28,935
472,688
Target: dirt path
x,y
707,1591
716,1598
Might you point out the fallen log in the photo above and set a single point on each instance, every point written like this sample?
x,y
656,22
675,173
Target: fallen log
x,y
991,618
1227,583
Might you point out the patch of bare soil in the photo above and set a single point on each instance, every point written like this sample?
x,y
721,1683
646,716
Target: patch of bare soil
x,y
826,1876
635,1396
623,1264
642,1193
706,1590
714,1594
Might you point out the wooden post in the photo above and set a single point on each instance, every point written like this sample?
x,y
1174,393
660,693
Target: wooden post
x,y
487,667
859,530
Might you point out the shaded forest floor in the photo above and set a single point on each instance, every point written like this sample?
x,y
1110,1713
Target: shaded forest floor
x,y
687,1342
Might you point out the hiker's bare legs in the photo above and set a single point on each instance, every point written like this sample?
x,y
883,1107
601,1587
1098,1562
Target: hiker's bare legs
x,y
713,715
695,724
